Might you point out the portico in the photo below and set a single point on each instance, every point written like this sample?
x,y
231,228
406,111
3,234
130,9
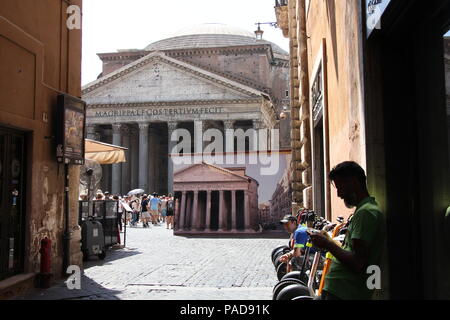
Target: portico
x,y
143,109
214,199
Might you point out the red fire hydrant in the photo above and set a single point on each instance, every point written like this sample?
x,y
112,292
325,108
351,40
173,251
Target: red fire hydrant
x,y
46,256
46,263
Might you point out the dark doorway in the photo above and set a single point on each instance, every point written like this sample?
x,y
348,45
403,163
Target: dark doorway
x,y
319,168
404,72
12,202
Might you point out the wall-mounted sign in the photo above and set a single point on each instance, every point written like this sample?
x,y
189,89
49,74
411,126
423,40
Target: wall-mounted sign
x,y
374,12
71,122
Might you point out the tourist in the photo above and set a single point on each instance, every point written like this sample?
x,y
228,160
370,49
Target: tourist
x,y
170,211
135,204
83,197
163,209
155,205
145,216
119,211
294,258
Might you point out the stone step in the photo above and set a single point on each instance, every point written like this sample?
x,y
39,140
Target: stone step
x,y
16,286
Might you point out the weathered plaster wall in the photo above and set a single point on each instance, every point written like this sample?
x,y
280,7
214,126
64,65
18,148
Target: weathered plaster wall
x,y
42,58
337,23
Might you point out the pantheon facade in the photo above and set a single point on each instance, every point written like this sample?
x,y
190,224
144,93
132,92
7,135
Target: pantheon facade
x,y
206,76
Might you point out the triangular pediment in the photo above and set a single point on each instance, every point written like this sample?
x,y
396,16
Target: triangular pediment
x,y
158,78
204,172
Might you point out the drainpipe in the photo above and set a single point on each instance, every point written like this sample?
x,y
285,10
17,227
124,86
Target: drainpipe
x,y
304,101
67,234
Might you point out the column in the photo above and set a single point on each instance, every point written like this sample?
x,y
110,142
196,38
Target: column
x,y
208,211
176,219
198,141
90,132
116,184
233,211
153,170
171,127
222,220
258,125
106,136
126,166
195,213
228,127
246,211
143,156
134,158
182,210
188,217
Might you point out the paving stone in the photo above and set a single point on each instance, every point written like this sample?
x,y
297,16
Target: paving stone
x,y
156,265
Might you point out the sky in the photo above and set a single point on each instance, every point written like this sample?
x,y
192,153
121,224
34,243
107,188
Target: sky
x,y
109,25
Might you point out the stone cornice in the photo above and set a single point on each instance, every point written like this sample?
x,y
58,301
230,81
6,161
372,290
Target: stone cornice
x,y
161,57
257,48
113,56
175,103
242,178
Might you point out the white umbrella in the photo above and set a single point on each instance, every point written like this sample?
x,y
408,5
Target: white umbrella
x,y
135,192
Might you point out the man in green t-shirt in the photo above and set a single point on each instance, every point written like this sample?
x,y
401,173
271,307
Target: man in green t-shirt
x,y
347,278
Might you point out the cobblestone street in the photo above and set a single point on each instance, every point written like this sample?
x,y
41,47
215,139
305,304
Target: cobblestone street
x,y
156,265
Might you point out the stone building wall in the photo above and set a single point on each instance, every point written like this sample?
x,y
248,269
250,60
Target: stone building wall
x,y
40,58
254,66
327,24
114,61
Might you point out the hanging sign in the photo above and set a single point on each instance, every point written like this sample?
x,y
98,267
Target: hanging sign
x,y
71,122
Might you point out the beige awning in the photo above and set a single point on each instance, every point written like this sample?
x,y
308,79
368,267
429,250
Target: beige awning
x,y
104,153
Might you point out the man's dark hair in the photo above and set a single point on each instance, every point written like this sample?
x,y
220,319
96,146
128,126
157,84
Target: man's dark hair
x,y
349,169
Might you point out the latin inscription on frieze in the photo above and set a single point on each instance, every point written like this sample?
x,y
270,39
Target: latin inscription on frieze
x,y
156,112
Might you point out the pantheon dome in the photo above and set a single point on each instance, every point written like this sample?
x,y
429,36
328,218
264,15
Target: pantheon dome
x,y
210,35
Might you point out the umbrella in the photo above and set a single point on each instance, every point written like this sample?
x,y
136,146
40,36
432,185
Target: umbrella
x,y
135,192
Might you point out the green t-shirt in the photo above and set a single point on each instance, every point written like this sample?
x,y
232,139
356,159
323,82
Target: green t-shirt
x,y
366,224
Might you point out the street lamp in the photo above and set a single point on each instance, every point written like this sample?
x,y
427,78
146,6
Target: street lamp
x,y
259,32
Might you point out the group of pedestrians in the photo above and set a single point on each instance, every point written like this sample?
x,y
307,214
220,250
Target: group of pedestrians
x,y
148,209
134,210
